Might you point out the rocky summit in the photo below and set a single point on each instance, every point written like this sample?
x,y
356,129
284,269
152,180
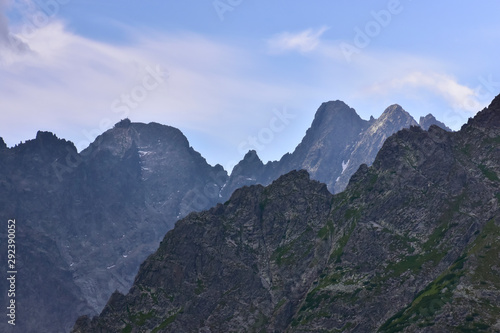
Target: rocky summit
x,y
367,145
429,120
85,221
411,245
334,147
322,150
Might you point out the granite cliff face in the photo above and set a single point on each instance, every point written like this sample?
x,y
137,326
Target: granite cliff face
x,y
411,245
334,147
87,220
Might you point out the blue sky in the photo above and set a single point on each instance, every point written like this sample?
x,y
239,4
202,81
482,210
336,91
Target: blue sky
x,y
235,75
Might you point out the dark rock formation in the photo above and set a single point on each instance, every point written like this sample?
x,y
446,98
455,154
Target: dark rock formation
x,y
410,245
2,144
322,151
87,220
334,147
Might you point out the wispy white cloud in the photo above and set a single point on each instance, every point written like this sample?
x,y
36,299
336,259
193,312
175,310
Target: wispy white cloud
x,y
375,73
376,78
457,95
69,85
304,41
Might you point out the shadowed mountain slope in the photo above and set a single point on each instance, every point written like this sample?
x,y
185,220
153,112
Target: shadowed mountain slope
x,y
86,221
410,245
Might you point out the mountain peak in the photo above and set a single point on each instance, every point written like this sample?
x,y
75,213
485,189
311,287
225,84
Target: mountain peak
x,y
429,120
248,171
334,108
48,139
250,164
251,155
3,145
495,103
331,115
46,136
124,123
395,109
488,117
125,133
396,114
395,117
336,103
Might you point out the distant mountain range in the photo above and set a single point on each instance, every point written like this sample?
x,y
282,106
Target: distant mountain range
x,y
87,220
411,245
334,147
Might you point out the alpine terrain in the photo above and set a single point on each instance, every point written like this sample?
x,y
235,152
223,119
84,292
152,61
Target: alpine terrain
x,y
334,147
85,221
411,245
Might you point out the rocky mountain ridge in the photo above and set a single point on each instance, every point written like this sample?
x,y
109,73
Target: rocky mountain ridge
x,y
87,220
411,245
94,216
334,147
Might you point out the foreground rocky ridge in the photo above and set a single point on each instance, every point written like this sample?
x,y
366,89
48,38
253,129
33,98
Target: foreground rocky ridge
x,y
410,245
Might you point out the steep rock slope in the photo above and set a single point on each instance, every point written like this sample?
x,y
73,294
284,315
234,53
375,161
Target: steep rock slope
x,y
321,152
45,286
86,221
364,151
410,245
334,147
